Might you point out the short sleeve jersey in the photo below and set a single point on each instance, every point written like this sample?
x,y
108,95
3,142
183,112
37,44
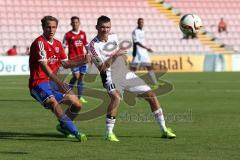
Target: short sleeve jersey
x,y
75,41
100,53
138,35
42,50
101,50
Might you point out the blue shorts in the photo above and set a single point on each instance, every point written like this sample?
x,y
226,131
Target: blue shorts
x,y
45,90
81,69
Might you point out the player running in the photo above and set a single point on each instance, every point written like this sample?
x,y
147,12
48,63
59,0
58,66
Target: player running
x,y
46,56
117,78
75,44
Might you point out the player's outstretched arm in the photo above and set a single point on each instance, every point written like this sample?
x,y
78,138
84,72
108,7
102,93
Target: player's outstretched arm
x,y
106,64
145,47
71,63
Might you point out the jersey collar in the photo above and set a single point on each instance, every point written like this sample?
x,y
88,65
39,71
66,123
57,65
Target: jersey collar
x,y
51,43
75,32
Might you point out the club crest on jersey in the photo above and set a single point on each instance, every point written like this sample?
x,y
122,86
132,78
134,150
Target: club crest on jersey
x,y
57,49
81,36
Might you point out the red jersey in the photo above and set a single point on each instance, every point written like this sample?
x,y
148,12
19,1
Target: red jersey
x,y
42,50
75,43
222,24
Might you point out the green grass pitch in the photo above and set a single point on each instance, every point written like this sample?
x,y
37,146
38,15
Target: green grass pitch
x,y
203,109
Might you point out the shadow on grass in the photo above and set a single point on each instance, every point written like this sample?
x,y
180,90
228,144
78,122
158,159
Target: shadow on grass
x,y
17,100
138,136
13,152
95,135
125,136
32,136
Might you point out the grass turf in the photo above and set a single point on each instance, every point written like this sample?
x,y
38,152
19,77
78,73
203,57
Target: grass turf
x,y
203,109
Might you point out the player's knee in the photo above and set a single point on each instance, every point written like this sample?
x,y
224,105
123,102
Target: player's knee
x,y
150,96
77,106
77,77
116,98
81,77
51,103
72,100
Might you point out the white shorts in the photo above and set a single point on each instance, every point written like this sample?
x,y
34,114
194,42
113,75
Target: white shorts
x,y
131,82
142,58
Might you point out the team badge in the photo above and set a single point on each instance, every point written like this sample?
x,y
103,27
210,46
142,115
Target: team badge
x,y
81,36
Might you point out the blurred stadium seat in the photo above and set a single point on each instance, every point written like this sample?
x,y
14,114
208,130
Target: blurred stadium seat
x,y
20,19
211,12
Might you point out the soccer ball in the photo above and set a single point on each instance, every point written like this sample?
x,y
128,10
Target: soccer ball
x,y
190,24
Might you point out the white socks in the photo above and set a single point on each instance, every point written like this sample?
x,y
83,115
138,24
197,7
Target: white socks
x,y
110,125
158,114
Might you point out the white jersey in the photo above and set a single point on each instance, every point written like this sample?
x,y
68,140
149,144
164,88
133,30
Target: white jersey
x,y
138,35
118,75
140,54
100,54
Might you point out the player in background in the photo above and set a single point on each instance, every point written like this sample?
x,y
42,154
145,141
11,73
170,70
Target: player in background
x,y
117,78
75,44
46,56
140,52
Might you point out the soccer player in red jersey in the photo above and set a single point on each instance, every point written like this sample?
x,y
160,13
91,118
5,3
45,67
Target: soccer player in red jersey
x,y
46,56
75,44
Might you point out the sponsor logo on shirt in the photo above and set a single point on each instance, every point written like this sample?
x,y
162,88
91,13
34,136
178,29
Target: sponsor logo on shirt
x,y
78,43
53,59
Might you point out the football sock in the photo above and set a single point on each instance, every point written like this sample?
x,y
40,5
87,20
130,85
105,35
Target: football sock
x,y
80,88
152,76
110,121
72,82
158,114
68,124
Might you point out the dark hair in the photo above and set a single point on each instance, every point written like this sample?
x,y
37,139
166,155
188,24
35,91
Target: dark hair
x,y
103,19
45,19
75,17
139,19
